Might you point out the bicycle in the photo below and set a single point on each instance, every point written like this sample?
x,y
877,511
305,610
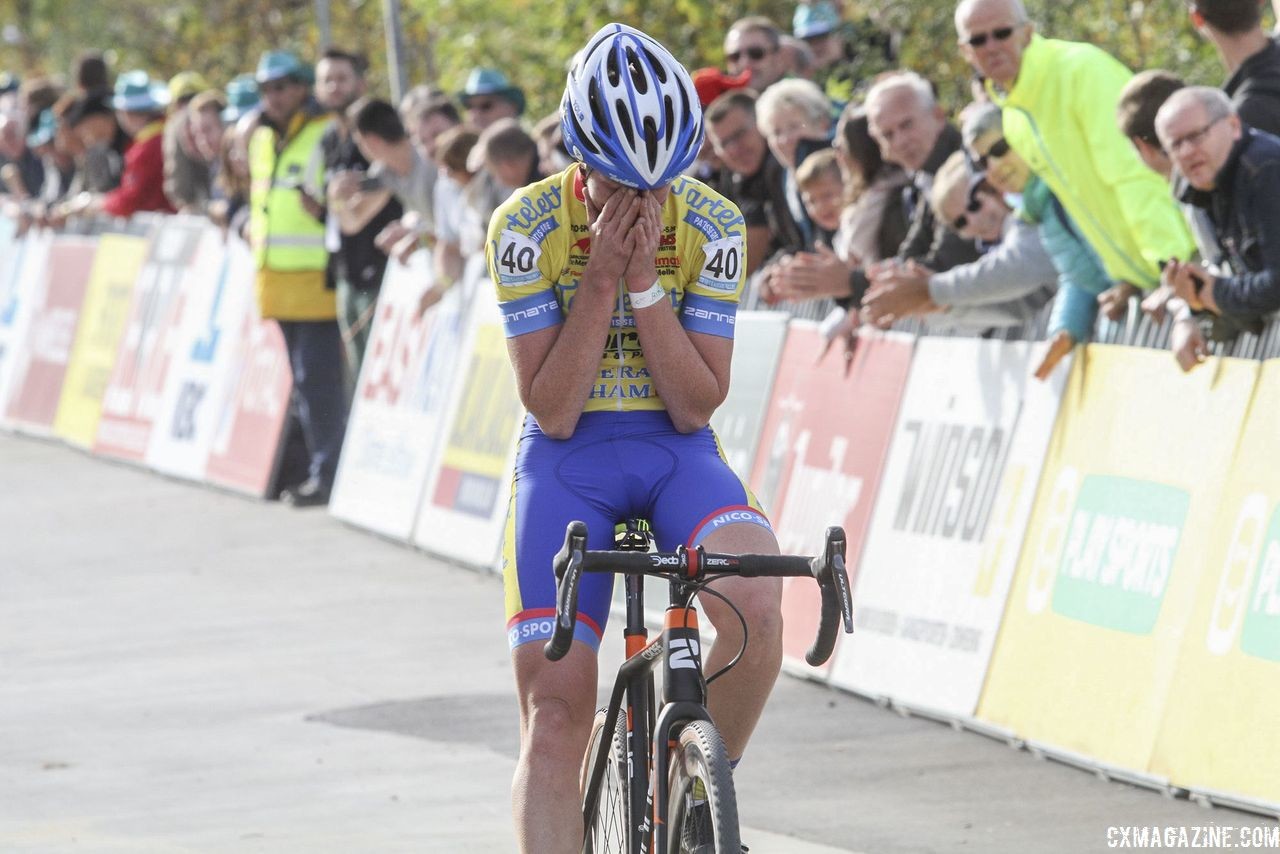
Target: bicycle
x,y
666,767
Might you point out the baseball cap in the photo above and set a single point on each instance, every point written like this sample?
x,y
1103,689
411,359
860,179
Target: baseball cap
x,y
136,92
814,19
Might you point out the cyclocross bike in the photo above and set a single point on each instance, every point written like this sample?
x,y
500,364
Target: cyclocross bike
x,y
656,778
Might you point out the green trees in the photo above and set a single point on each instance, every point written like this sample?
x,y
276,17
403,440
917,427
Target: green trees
x,y
533,40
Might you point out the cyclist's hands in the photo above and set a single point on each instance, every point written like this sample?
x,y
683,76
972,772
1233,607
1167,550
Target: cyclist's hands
x,y
613,236
641,270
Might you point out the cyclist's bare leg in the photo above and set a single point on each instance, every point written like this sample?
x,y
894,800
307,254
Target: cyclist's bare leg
x,y
557,706
737,698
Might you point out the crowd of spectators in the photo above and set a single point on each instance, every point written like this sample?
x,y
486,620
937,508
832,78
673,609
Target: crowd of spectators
x,y
1068,180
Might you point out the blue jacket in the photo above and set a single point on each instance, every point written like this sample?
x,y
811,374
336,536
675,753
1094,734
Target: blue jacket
x,y
1081,276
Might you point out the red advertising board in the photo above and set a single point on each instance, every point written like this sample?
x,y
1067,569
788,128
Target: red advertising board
x,y
132,400
825,440
245,446
47,349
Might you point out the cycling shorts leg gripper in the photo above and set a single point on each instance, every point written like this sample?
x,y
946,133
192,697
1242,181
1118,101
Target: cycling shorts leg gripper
x,y
702,494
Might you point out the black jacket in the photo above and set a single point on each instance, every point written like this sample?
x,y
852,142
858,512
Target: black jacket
x,y
1244,207
1255,89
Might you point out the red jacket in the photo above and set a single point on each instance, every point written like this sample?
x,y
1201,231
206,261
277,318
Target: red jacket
x,y
142,182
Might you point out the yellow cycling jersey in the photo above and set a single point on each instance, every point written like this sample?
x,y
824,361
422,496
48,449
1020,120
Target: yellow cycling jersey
x,y
538,246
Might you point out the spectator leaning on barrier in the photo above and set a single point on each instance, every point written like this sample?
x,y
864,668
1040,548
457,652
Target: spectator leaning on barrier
x,y
102,141
139,104
1251,57
1059,102
1006,286
1232,172
288,248
187,179
359,206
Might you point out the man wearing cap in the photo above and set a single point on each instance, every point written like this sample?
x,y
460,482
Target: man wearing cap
x,y
139,105
489,96
288,247
186,174
845,56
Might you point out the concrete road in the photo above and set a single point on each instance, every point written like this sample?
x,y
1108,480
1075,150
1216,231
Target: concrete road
x,y
183,670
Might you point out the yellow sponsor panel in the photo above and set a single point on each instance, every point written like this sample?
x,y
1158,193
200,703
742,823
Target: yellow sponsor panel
x,y
1222,725
1114,551
480,437
108,297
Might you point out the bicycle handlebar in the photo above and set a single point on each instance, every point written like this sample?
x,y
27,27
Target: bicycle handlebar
x,y
827,569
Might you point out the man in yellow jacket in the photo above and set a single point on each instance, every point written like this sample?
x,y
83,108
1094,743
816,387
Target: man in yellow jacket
x,y
288,246
1059,102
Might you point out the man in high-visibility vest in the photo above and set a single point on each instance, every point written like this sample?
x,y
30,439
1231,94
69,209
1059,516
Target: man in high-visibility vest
x,y
288,246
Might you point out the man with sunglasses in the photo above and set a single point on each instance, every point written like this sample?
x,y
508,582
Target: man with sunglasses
x,y
1059,100
755,43
1233,174
489,96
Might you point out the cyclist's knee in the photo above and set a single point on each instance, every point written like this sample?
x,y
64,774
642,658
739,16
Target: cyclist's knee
x,y
555,725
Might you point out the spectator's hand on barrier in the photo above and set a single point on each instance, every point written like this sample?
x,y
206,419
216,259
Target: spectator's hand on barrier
x,y
898,291
1188,344
768,288
1191,283
405,248
1059,346
842,326
1114,301
1156,303
813,275
639,274
430,297
613,238
391,235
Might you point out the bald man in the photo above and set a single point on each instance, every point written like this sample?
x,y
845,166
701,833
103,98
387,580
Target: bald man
x,y
1059,102
1233,173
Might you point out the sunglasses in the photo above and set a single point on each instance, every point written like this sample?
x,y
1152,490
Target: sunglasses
x,y
998,149
274,86
481,106
755,54
973,204
1000,34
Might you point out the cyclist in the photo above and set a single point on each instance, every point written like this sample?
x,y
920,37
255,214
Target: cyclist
x,y
623,256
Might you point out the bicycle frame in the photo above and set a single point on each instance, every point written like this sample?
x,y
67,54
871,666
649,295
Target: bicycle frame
x,y
684,700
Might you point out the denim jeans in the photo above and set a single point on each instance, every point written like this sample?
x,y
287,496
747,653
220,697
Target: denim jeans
x,y
319,392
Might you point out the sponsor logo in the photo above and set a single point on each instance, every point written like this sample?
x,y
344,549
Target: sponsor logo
x,y
529,210
726,318
1247,602
532,312
684,654
953,472
544,228
664,560
1118,552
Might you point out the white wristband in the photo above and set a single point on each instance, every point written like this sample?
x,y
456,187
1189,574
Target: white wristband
x,y
644,299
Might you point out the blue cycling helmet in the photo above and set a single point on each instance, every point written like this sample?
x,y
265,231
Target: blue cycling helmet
x,y
630,109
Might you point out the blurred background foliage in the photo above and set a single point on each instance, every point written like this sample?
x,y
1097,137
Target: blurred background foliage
x,y
534,40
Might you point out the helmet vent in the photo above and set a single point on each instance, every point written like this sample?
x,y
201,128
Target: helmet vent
x,y
650,131
669,118
580,134
638,78
659,70
596,100
624,121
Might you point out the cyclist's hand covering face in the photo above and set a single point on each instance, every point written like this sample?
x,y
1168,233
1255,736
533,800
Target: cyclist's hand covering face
x,y
611,213
641,271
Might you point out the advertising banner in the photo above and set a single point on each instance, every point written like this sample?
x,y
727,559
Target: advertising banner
x,y
929,595
1220,730
215,296
465,503
106,310
740,419
41,359
821,454
246,441
1115,552
22,283
397,418
132,399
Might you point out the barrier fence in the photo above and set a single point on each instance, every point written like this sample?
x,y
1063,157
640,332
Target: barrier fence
x,y
1089,566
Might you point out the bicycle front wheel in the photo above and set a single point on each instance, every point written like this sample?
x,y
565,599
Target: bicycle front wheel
x,y
702,810
607,826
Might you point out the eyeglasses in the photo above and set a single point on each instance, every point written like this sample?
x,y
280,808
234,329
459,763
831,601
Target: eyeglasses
x,y
481,106
1000,34
755,54
997,150
274,86
1194,139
